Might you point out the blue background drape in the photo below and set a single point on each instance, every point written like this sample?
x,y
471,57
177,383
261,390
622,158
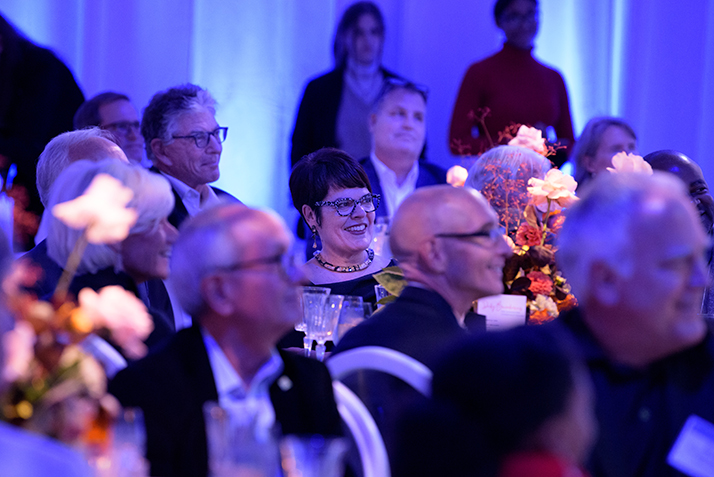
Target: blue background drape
x,y
650,62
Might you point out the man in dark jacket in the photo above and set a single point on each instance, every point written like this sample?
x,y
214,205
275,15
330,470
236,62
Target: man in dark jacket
x,y
232,263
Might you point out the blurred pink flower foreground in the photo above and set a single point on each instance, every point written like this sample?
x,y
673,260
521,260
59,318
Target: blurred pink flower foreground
x,y
101,210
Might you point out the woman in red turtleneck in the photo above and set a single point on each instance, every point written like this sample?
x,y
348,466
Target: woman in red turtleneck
x,y
512,84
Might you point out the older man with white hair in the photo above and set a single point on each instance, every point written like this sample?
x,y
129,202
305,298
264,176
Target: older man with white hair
x,y
92,144
633,250
234,266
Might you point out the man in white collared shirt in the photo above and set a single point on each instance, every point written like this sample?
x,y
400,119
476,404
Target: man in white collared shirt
x,y
232,265
184,142
398,128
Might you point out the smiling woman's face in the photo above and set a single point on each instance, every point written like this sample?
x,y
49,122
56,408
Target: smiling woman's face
x,y
344,237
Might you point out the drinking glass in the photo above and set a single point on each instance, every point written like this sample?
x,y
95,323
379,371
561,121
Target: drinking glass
x,y
352,314
313,307
321,328
238,443
313,456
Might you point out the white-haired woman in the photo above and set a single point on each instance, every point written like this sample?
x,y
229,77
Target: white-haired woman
x,y
501,175
141,260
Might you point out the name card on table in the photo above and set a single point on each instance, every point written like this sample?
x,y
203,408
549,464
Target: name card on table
x,y
693,451
502,311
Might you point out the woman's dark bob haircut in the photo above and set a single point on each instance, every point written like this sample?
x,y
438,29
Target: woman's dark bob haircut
x,y
328,168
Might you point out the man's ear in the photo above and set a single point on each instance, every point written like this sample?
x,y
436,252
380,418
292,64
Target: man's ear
x,y
309,215
216,295
589,163
159,149
605,283
432,256
372,122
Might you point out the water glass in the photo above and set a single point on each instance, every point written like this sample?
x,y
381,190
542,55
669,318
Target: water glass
x,y
238,445
352,314
322,328
313,456
313,306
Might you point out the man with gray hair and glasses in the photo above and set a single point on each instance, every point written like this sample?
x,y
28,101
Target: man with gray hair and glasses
x,y
633,249
184,142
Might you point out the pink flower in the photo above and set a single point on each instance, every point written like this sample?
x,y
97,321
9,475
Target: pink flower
x,y
541,284
528,235
558,187
624,162
101,210
456,176
530,138
19,346
122,313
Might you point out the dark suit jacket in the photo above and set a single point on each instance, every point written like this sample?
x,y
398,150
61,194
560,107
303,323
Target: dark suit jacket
x,y
179,214
171,386
51,271
420,324
317,115
429,174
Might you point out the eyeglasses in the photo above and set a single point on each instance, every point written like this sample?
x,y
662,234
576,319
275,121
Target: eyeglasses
x,y
494,235
390,84
123,127
202,138
346,206
285,260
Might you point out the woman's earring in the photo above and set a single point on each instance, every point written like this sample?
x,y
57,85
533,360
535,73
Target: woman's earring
x,y
314,236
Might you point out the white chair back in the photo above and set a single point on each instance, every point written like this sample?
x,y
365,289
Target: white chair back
x,y
386,360
370,444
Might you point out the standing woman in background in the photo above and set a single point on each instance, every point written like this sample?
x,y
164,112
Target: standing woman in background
x,y
513,86
335,106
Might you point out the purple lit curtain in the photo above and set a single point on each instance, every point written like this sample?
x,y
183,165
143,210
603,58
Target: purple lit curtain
x,y
649,62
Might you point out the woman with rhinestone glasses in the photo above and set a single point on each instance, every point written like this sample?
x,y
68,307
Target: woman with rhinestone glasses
x,y
333,194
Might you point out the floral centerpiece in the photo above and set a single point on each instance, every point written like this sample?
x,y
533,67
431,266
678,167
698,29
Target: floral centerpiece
x,y
55,387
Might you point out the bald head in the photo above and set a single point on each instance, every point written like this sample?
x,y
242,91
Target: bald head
x,y
436,209
448,240
92,144
690,173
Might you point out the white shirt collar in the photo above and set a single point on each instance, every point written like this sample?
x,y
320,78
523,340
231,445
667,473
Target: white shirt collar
x,y
191,198
392,193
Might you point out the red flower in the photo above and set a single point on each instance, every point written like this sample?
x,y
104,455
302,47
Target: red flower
x,y
528,235
541,284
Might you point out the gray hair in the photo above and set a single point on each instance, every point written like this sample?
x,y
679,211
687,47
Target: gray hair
x,y
60,152
165,108
153,201
204,245
501,175
598,228
589,141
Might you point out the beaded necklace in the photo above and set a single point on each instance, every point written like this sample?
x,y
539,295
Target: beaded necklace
x,y
347,269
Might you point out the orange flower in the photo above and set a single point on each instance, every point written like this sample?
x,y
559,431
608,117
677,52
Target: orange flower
x,y
567,303
556,223
541,284
528,235
539,317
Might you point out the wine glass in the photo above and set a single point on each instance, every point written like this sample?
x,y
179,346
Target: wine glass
x,y
312,456
321,328
352,314
313,307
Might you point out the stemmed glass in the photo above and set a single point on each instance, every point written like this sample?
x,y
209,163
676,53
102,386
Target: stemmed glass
x,y
322,327
352,314
313,307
